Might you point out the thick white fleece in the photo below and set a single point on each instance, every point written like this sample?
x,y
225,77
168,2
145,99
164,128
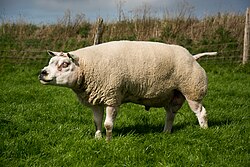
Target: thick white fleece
x,y
146,73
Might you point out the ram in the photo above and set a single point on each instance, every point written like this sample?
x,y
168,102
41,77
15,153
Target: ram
x,y
147,73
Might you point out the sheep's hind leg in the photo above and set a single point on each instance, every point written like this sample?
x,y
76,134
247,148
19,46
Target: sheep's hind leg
x,y
170,115
98,112
171,110
111,113
200,112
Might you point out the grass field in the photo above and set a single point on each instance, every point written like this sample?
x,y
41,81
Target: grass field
x,y
46,126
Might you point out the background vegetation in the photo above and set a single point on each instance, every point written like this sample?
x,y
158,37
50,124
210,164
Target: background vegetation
x,y
46,125
222,33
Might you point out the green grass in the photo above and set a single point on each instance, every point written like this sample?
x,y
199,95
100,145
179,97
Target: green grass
x,y
46,126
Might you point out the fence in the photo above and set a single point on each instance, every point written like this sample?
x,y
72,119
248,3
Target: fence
x,y
28,43
246,37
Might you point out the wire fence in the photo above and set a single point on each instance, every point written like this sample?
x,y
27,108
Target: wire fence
x,y
35,56
25,43
13,55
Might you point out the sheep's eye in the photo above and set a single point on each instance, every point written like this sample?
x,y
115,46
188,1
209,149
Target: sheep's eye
x,y
65,65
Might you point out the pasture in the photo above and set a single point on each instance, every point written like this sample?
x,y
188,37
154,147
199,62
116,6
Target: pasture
x,y
47,126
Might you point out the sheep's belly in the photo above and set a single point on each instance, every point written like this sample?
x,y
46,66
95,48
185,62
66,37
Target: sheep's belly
x,y
161,101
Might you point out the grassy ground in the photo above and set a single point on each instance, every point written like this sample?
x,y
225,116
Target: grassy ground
x,y
46,126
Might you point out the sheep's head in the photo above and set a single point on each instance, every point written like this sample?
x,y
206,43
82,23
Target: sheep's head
x,y
62,70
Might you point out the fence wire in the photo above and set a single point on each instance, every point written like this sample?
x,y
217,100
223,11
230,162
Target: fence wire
x,y
12,55
23,42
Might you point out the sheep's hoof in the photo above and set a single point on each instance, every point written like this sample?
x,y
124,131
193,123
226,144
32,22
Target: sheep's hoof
x,y
167,131
204,126
108,139
108,136
98,135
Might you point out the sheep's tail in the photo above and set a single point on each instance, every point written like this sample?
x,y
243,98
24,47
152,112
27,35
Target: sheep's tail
x,y
197,56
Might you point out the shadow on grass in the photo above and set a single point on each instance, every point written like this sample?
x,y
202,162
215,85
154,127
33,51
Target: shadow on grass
x,y
141,129
6,124
215,123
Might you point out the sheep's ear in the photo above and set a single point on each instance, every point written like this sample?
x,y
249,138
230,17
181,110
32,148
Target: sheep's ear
x,y
73,58
51,53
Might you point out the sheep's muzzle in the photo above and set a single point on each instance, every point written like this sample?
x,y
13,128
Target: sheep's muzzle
x,y
43,75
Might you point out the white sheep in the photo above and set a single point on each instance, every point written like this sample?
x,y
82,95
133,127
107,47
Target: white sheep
x,y
147,73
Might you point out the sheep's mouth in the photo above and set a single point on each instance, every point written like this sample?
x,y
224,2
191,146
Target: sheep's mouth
x,y
47,81
43,80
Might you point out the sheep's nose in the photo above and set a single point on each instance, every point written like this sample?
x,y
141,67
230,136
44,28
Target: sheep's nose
x,y
42,74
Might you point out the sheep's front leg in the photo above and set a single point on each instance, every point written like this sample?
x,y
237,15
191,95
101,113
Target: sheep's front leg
x,y
98,117
111,113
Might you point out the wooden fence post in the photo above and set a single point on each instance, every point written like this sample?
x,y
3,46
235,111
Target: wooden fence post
x,y
246,37
99,31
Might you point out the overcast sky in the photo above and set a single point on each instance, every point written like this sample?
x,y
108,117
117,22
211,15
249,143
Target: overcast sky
x,y
49,11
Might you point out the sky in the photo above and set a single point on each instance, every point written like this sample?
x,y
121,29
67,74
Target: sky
x,y
50,11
